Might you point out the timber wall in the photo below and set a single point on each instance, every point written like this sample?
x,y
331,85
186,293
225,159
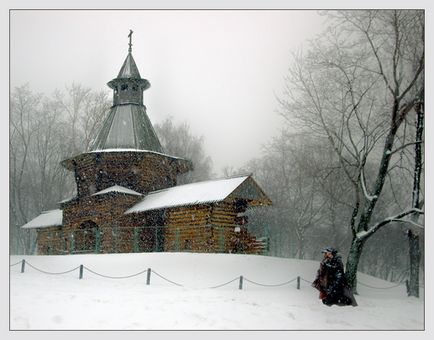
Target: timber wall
x,y
134,170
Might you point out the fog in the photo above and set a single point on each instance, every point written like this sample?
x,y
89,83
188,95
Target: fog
x,y
218,70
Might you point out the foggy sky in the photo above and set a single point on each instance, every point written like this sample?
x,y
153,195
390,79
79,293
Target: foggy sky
x,y
217,70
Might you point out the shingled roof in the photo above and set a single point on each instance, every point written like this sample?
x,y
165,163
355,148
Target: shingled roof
x,y
127,126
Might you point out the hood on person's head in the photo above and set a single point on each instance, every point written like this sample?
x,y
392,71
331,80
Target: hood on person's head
x,y
331,250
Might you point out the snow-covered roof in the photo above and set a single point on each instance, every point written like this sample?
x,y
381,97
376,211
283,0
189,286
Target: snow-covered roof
x,y
49,218
68,199
118,188
189,194
134,150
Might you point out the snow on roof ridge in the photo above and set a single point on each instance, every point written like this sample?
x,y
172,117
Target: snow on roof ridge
x,y
117,188
188,194
67,199
49,211
132,150
200,182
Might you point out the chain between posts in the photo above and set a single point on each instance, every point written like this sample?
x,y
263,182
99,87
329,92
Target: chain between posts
x,y
148,270
166,279
51,273
270,285
115,277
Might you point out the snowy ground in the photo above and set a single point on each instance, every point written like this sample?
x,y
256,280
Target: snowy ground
x,y
54,302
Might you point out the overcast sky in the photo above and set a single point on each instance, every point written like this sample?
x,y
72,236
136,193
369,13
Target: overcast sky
x,y
217,70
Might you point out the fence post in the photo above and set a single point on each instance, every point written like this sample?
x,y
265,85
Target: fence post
x,y
177,236
23,265
97,240
222,239
72,243
136,240
148,277
65,246
241,282
81,272
298,282
155,239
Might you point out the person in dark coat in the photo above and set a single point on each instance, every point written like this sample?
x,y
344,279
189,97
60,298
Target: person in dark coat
x,y
331,282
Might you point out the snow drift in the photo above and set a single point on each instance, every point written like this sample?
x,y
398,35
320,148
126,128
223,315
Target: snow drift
x,y
180,296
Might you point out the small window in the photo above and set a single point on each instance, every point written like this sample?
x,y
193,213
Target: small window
x,y
124,87
135,88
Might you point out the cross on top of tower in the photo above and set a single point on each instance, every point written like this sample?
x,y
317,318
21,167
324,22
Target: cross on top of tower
x,y
130,44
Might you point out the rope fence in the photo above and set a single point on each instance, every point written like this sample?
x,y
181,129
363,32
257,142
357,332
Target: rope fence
x,y
271,285
240,278
51,273
225,284
114,277
166,279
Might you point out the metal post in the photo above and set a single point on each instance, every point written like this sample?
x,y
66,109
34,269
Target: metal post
x,y
136,240
148,277
114,239
222,239
97,240
298,282
62,235
177,233
72,242
23,265
81,272
241,282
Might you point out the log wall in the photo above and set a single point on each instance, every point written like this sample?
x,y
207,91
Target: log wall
x,y
107,211
142,172
51,241
205,228
208,228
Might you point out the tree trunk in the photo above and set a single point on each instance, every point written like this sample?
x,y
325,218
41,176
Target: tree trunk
x,y
413,285
413,238
353,262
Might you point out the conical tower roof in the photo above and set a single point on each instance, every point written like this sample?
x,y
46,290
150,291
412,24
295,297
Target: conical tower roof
x,y
127,125
129,68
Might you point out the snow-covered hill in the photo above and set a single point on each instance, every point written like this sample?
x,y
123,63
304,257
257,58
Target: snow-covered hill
x,y
44,301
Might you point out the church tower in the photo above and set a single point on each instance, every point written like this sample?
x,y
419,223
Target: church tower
x,y
126,151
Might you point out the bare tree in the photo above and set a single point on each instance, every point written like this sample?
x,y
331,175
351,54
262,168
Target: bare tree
x,y
24,107
177,140
355,87
43,132
292,171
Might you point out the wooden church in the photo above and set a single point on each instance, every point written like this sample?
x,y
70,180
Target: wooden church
x,y
127,198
